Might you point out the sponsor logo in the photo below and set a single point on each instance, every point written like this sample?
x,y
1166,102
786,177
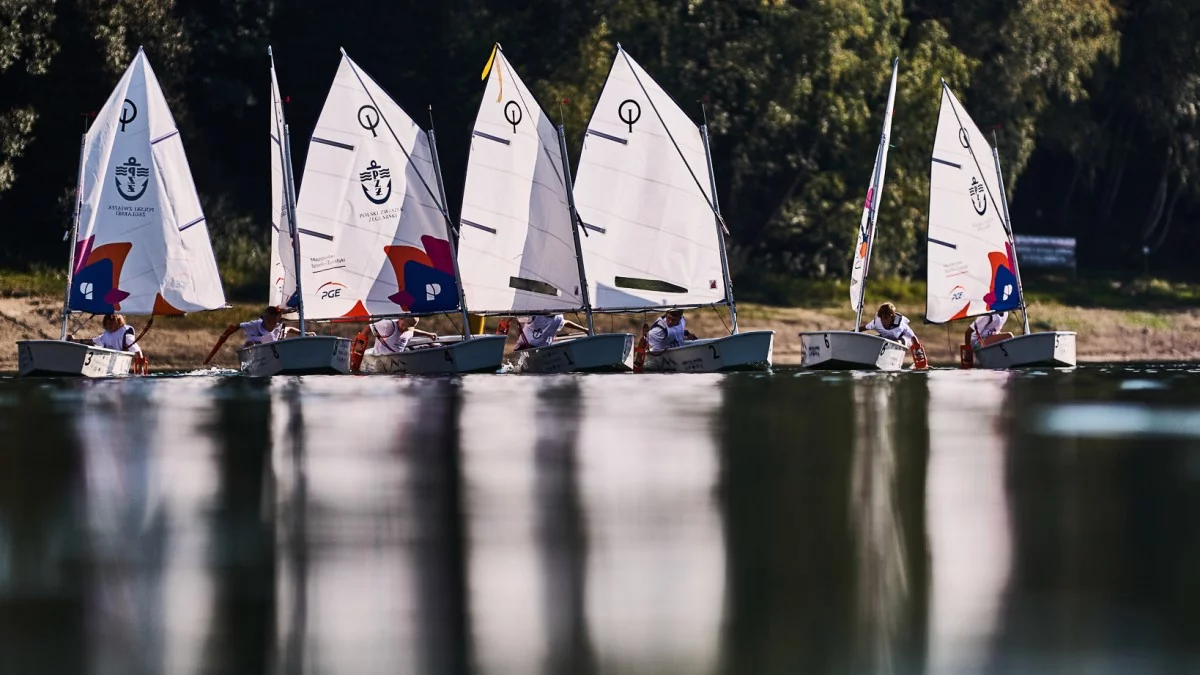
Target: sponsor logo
x,y
957,293
330,289
97,272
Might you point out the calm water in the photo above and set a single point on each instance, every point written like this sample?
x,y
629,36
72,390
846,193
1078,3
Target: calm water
x,y
954,522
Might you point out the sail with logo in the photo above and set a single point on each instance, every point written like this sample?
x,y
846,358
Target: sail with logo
x,y
374,229
646,195
519,250
371,228
866,226
972,269
140,244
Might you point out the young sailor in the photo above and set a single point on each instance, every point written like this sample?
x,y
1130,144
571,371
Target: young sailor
x,y
891,326
985,330
669,330
539,331
266,328
392,335
120,336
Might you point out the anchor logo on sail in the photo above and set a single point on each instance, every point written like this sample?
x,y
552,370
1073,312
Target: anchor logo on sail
x,y
978,196
372,183
131,171
128,113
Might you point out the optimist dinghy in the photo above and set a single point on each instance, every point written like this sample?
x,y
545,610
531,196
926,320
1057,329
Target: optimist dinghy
x,y
972,267
647,197
519,249
139,242
857,350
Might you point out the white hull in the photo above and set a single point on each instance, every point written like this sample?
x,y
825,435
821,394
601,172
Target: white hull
x,y
480,354
848,350
1050,350
59,357
607,352
308,355
744,351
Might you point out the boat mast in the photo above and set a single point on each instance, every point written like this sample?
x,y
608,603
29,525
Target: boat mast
x,y
437,170
712,182
575,224
66,312
289,190
1012,240
875,196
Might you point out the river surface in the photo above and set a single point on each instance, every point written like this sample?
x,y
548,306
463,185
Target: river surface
x,y
954,522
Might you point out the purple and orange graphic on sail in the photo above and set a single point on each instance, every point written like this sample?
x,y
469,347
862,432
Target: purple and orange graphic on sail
x,y
425,278
96,275
1003,294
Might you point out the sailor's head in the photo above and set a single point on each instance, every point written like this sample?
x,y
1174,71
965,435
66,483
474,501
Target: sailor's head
x,y
410,321
113,321
271,317
524,320
887,311
673,317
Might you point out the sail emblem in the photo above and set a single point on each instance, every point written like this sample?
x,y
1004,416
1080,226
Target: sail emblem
x,y
978,198
131,171
963,138
629,112
368,118
372,183
514,117
128,113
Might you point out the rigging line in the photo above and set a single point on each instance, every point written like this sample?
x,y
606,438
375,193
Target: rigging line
x,y
714,309
653,107
367,91
971,149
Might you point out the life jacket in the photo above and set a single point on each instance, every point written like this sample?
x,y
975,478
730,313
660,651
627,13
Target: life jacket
x,y
115,340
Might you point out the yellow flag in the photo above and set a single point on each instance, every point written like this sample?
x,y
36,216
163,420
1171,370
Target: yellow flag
x,y
491,59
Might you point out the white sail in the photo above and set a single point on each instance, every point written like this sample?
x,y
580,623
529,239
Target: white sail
x,y
642,192
866,225
372,234
142,246
516,250
282,292
971,259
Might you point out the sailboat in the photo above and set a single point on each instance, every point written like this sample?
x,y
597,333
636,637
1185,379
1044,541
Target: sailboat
x,y
139,242
853,350
304,354
647,196
519,250
972,269
378,239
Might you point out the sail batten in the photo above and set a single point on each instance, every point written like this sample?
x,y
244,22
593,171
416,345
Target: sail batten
x,y
515,201
972,263
374,233
639,197
142,244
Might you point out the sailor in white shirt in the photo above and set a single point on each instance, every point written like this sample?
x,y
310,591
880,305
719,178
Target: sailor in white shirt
x,y
267,328
985,330
539,331
891,326
118,335
392,335
670,330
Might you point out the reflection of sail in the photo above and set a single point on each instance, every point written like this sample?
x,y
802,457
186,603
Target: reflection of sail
x,y
656,557
527,546
967,515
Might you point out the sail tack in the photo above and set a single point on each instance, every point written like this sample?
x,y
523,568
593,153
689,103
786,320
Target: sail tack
x,y
142,246
972,267
642,192
282,292
516,250
371,233
866,225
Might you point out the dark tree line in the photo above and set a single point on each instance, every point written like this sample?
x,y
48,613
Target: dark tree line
x,y
1095,100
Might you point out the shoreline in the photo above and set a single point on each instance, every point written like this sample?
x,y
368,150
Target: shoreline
x,y
1105,335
